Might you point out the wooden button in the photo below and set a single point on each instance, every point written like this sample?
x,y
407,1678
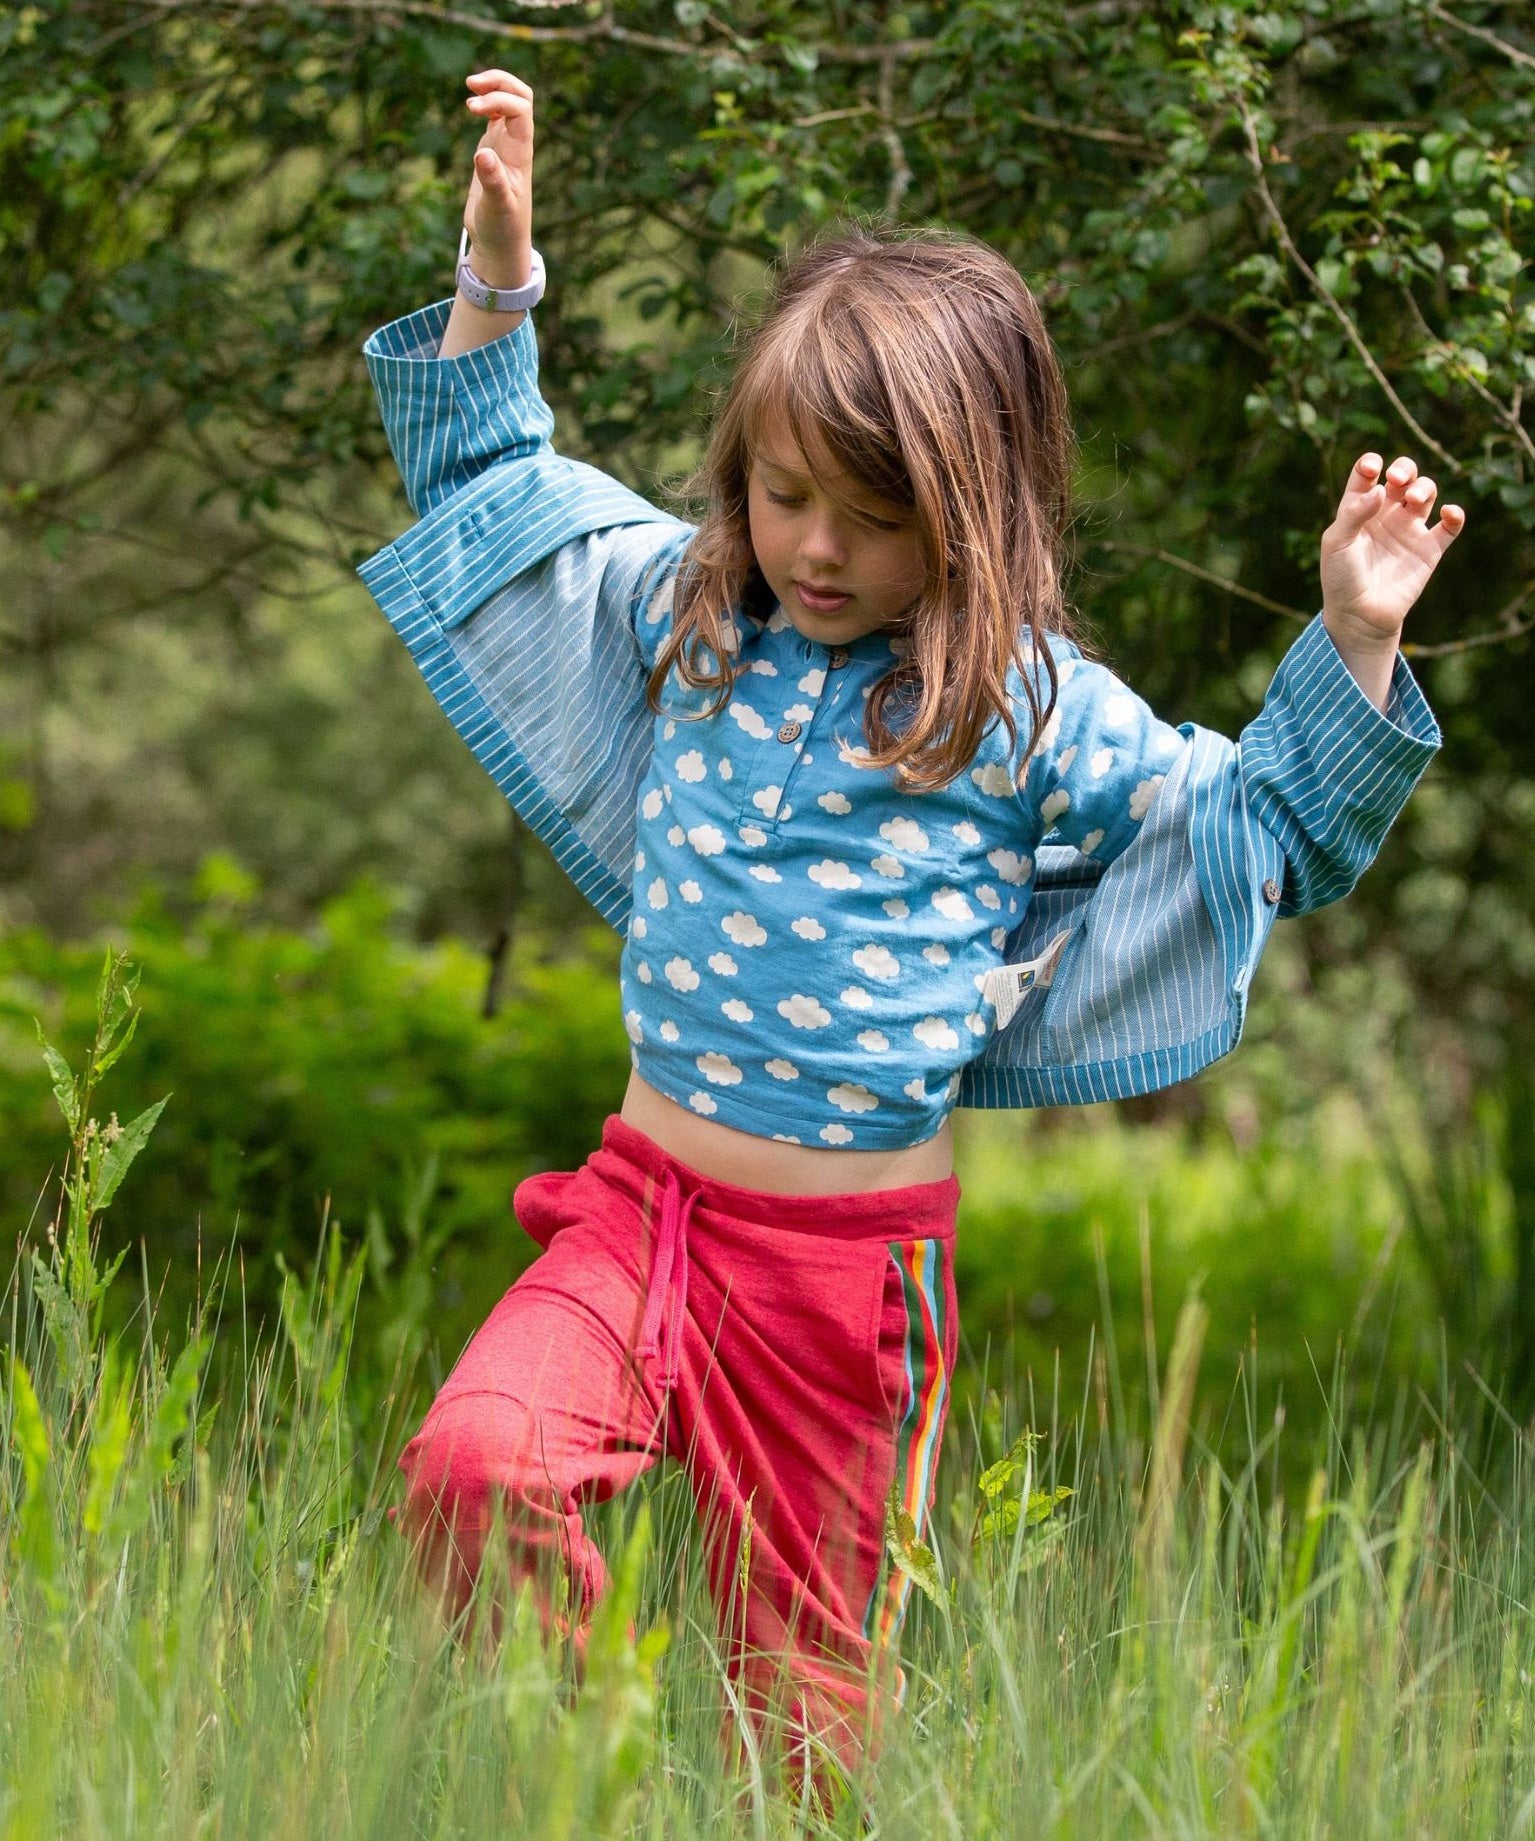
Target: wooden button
x,y
838,659
1271,891
789,732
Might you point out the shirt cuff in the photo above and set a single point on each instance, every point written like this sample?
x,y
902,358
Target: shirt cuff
x,y
449,418
1352,742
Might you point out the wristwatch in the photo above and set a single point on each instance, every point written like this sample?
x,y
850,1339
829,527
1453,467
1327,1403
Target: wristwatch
x,y
498,300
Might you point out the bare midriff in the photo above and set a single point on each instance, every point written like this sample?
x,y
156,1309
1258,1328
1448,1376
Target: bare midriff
x,y
750,1162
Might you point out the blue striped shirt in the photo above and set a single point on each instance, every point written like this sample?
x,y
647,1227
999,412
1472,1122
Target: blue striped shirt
x,y
811,952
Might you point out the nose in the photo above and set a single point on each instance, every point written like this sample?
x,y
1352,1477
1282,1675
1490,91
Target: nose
x,y
822,545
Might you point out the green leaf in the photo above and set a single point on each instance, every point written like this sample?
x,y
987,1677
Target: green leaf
x,y
121,1153
104,1061
37,1540
911,1557
109,1444
63,1081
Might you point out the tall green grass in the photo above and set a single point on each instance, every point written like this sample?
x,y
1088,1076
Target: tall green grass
x,y
208,1627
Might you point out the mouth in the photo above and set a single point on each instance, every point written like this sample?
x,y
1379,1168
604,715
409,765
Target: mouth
x,y
821,600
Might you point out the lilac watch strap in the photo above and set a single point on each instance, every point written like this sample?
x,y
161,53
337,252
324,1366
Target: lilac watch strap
x,y
498,300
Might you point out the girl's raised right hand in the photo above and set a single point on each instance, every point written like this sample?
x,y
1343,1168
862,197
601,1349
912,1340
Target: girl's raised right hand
x,y
498,213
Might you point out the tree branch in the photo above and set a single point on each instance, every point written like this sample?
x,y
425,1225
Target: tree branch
x,y
606,27
1509,626
1203,575
1326,295
1511,52
900,166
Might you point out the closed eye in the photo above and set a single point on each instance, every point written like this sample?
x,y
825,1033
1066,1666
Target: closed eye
x,y
790,500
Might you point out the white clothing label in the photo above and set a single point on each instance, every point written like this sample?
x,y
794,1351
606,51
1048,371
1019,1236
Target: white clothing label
x,y
1007,985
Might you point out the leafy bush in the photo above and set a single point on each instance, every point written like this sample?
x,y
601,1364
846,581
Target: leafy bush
x,y
338,1064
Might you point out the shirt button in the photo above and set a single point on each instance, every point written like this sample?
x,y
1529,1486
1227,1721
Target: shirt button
x,y
789,732
838,658
1271,891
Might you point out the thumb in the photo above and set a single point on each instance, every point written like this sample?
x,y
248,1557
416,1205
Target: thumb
x,y
487,164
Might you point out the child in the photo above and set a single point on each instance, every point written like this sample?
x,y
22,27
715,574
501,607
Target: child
x,y
836,759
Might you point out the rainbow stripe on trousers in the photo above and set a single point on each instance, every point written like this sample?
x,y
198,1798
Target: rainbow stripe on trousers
x,y
920,1264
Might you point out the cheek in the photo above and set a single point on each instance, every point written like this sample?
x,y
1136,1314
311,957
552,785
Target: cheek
x,y
766,532
901,566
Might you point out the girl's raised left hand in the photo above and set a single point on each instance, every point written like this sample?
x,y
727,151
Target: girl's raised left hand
x,y
1378,553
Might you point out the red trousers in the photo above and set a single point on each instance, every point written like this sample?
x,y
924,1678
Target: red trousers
x,y
793,1353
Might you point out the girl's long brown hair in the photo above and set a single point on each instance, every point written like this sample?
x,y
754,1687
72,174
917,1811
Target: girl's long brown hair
x,y
919,360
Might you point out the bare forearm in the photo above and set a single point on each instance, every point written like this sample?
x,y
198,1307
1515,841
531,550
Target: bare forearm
x,y
469,326
1369,659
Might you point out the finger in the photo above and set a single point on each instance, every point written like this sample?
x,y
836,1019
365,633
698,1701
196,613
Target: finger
x,y
499,79
501,105
1452,521
490,170
1363,495
1365,472
1419,496
1400,475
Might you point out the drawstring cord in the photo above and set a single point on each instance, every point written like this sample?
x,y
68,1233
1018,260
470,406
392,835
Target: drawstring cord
x,y
668,1277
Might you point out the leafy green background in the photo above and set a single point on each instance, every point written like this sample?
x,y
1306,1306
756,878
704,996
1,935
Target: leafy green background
x,y
1266,237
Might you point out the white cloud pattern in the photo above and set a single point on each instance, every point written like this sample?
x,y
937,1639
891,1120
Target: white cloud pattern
x,y
993,779
904,834
1141,798
804,1012
1009,865
743,929
751,720
830,874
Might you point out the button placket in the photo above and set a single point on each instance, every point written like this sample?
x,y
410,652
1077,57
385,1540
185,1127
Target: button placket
x,y
776,760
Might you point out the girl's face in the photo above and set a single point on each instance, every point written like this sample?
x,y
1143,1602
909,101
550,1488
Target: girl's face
x,y
813,527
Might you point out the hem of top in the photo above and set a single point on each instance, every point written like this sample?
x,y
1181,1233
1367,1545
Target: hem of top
x,y
873,1138
1097,1082
861,1213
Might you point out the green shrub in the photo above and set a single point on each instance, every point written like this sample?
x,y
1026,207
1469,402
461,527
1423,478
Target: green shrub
x,y
341,1063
